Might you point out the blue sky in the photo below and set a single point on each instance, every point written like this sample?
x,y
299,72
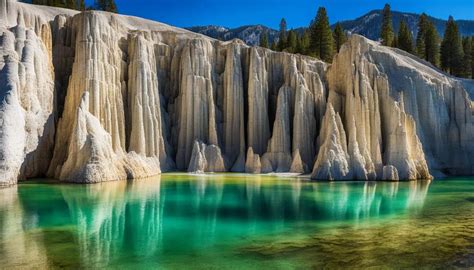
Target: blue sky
x,y
232,13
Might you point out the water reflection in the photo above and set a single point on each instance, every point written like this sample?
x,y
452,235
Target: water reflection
x,y
152,220
15,245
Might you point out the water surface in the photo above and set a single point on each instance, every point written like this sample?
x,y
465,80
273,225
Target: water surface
x,y
238,221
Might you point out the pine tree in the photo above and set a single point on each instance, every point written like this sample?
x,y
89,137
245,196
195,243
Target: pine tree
x,y
395,42
420,38
53,3
387,34
321,41
305,42
106,5
274,46
427,40
264,39
451,49
472,57
112,7
71,4
81,5
299,47
292,41
405,39
466,71
282,36
432,44
339,36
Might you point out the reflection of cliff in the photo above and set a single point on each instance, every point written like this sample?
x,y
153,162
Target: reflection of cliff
x,y
113,216
365,200
98,212
25,250
144,218
97,224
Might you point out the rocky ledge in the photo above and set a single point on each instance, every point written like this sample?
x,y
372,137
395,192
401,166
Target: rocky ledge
x,y
93,96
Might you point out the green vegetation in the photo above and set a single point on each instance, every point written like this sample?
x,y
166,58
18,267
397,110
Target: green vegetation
x,y
292,41
105,5
452,49
455,54
318,40
71,4
339,36
321,39
467,64
282,37
432,44
264,40
387,34
304,42
405,39
420,38
472,57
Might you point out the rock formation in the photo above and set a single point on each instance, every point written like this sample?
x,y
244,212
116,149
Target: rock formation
x,y
93,96
206,158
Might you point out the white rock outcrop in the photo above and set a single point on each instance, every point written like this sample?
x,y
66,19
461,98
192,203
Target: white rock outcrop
x,y
233,108
206,158
91,157
279,146
252,165
258,122
333,159
93,96
389,102
27,92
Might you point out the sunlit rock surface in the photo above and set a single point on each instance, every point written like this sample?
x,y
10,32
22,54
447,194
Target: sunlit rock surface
x,y
94,96
206,158
399,111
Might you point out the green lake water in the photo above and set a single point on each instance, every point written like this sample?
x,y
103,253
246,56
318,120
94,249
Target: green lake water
x,y
232,221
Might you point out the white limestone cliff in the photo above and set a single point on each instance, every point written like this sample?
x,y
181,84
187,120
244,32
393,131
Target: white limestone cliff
x,y
395,111
26,96
258,122
233,108
93,96
279,146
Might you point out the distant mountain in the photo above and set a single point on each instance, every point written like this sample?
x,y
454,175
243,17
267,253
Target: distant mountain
x,y
370,24
367,25
250,34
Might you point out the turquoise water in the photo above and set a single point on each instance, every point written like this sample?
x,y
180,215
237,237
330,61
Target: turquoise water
x,y
238,221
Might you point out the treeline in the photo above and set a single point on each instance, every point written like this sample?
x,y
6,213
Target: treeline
x,y
105,5
453,54
317,41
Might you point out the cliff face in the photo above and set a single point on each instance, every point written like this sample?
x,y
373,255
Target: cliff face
x,y
92,96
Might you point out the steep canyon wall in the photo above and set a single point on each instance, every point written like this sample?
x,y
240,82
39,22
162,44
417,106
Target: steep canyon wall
x,y
93,96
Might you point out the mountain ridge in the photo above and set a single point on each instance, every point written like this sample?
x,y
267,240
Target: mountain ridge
x,y
367,25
